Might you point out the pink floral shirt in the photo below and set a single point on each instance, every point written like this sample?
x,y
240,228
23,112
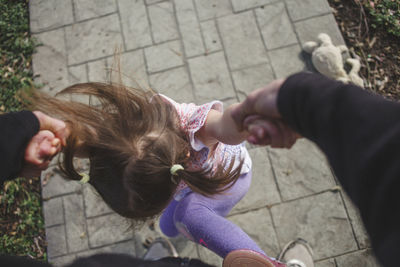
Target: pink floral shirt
x,y
192,118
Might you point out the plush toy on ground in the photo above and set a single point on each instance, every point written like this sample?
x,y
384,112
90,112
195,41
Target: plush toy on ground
x,y
327,59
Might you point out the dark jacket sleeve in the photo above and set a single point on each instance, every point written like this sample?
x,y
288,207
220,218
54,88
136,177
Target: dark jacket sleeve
x,y
16,129
360,134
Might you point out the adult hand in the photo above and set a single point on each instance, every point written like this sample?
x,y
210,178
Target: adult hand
x,y
274,132
57,127
262,102
259,114
39,152
44,145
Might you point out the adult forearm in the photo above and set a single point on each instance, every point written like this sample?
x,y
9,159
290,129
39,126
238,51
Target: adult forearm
x,y
360,134
16,129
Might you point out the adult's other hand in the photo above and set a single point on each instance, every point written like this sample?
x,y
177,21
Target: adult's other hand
x,y
56,126
39,153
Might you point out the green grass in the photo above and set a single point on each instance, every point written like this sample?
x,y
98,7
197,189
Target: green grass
x,y
21,219
16,48
385,14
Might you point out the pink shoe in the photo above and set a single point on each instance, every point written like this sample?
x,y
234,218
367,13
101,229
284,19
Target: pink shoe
x,y
250,258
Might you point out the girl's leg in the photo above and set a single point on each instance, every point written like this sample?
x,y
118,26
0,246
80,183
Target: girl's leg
x,y
221,204
167,224
201,219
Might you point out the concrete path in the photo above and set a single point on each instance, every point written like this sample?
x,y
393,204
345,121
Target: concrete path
x,y
196,50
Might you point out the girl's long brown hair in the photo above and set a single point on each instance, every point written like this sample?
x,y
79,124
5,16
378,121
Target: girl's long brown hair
x,y
132,139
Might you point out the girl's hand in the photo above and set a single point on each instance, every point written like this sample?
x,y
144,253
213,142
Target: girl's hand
x,y
39,152
263,131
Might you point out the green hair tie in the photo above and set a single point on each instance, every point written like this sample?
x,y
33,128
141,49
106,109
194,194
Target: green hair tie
x,y
175,168
85,178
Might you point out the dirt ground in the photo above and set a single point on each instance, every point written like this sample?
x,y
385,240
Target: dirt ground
x,y
378,50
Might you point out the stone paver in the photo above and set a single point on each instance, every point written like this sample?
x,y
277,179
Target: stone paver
x,y
268,18
53,211
51,53
208,9
320,219
262,232
86,9
308,30
164,56
162,21
46,15
54,185
94,206
326,263
242,40
262,181
93,39
75,223
211,77
108,229
211,36
150,2
135,23
173,82
299,176
240,5
78,74
131,68
359,258
97,71
286,61
302,9
246,80
56,243
358,226
189,28
194,51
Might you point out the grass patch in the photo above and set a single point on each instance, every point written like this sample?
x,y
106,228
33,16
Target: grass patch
x,y
16,49
385,14
21,219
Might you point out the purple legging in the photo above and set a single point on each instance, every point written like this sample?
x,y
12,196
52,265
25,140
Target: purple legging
x,y
201,219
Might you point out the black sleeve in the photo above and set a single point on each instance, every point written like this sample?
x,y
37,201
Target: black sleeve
x,y
8,260
16,129
360,134
106,260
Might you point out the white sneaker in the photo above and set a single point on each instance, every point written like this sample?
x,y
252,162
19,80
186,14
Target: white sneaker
x,y
297,253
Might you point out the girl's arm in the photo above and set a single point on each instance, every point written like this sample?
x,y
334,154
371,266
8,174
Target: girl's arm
x,y
220,127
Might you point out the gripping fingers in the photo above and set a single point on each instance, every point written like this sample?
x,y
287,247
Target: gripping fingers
x,y
263,132
42,148
258,135
270,132
56,126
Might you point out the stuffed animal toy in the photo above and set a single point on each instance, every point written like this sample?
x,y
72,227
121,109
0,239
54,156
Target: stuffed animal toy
x,y
327,59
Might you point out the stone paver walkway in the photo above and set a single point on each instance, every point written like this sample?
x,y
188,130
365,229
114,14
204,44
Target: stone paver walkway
x,y
196,50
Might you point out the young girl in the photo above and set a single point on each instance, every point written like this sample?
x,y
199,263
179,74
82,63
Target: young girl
x,y
149,154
